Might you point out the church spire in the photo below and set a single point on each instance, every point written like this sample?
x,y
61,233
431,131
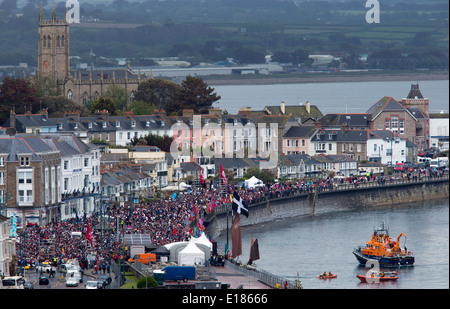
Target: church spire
x,y
53,12
41,15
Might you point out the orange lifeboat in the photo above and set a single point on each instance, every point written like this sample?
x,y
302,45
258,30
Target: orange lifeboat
x,y
384,249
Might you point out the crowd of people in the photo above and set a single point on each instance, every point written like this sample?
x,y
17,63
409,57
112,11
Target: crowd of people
x,y
173,219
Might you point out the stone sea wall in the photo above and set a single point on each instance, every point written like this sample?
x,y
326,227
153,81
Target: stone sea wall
x,y
330,201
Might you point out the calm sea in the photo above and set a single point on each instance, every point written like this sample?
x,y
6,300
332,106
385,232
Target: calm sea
x,y
351,97
310,245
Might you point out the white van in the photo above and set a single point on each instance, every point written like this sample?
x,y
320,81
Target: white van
x,y
14,282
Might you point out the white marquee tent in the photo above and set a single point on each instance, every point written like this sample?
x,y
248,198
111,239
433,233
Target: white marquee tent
x,y
202,240
253,182
191,255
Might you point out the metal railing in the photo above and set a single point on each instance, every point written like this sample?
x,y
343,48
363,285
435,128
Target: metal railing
x,y
384,182
265,277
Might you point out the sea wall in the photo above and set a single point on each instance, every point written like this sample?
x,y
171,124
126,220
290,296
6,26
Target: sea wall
x,y
330,201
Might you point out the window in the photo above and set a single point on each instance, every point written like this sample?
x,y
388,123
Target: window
x,y
2,162
394,123
388,124
66,184
85,98
24,161
2,178
26,196
133,124
66,164
86,162
402,126
69,94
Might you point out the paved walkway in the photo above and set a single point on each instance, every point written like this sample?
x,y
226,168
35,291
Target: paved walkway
x,y
236,279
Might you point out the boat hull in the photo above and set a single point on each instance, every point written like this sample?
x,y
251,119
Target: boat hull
x,y
369,279
327,277
384,261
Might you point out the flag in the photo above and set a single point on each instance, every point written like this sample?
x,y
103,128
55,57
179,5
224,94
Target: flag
x,y
236,238
239,205
222,175
254,251
201,177
88,233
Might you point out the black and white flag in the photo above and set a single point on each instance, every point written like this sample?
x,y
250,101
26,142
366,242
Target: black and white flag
x,y
239,205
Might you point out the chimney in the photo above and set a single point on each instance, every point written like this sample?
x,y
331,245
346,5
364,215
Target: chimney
x,y
12,119
283,108
318,125
308,107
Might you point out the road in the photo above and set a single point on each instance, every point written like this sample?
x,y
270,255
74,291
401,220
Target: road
x,y
58,282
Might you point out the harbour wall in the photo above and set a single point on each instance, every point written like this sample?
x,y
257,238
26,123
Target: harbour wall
x,y
351,198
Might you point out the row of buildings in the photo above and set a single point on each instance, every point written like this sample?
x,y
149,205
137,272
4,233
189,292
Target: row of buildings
x,y
56,168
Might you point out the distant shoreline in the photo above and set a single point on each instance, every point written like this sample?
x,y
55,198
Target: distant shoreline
x,y
342,77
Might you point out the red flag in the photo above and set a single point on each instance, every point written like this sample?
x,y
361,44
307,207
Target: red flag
x,y
222,175
201,176
88,233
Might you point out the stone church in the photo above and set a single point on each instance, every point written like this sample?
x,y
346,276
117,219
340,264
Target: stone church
x,y
80,86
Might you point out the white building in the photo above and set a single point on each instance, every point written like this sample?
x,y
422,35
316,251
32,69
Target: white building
x,y
386,146
7,247
439,133
79,175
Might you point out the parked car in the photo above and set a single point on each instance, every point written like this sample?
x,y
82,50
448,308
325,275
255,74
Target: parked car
x,y
91,285
44,267
71,281
105,279
43,280
28,285
77,275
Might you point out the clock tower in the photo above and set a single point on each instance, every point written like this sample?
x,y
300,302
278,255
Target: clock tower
x,y
53,54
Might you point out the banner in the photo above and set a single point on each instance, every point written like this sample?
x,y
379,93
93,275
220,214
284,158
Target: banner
x,y
236,237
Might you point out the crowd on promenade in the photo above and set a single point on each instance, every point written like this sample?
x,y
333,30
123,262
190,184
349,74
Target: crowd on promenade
x,y
171,219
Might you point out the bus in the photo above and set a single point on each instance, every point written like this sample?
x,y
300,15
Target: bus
x,y
14,282
439,162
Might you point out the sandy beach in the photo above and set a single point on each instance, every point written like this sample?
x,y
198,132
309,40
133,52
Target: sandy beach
x,y
341,77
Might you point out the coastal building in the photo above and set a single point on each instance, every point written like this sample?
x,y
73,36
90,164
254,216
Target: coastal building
x,y
30,179
388,148
439,133
296,140
409,117
7,246
80,86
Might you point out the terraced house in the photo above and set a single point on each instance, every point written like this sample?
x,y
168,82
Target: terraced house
x,y
45,179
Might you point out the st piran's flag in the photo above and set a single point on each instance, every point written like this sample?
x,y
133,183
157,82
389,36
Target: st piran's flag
x,y
239,205
236,238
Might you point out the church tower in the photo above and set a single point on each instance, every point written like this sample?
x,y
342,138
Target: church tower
x,y
53,54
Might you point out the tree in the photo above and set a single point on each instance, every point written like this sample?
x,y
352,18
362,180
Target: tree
x,y
104,104
141,108
17,94
157,92
146,282
265,176
118,95
58,105
195,94
162,142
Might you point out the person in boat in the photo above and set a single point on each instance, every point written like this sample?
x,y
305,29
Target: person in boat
x,y
330,274
324,274
382,274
